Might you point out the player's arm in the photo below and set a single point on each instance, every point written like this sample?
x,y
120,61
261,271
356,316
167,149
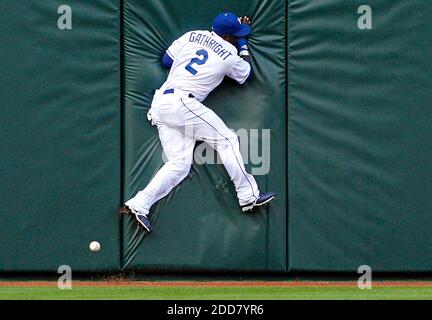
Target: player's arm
x,y
243,48
241,69
242,43
167,61
244,54
173,50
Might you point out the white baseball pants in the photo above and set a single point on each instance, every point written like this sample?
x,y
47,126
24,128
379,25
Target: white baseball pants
x,y
181,121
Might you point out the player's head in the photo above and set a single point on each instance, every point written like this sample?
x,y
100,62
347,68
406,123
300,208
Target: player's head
x,y
229,26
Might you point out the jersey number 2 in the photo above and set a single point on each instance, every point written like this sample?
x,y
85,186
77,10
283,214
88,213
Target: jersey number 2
x,y
203,57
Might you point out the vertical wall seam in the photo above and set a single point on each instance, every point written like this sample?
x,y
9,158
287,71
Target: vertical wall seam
x,y
122,125
286,133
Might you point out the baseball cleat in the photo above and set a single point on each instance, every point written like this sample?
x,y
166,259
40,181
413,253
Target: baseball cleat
x,y
263,199
142,219
144,222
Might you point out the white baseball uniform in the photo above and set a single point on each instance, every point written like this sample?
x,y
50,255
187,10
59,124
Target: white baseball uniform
x,y
201,59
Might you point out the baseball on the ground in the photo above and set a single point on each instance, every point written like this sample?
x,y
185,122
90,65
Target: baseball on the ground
x,y
94,246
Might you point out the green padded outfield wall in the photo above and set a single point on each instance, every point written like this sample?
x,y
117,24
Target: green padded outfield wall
x,y
60,134
360,128
344,128
200,225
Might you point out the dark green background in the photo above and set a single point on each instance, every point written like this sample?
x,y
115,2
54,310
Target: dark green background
x,y
360,125
60,135
350,118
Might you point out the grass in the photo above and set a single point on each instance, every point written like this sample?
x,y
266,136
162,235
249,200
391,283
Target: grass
x,y
213,293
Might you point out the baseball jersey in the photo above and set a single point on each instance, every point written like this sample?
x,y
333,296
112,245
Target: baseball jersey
x,y
201,61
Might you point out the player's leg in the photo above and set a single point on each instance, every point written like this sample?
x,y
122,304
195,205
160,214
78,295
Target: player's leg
x,y
203,124
179,152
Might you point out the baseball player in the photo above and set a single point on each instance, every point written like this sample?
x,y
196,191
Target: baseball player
x,y
198,61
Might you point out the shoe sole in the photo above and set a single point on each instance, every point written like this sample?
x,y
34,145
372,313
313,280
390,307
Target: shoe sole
x,y
142,224
249,208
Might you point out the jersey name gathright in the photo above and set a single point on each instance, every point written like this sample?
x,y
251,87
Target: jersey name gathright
x,y
209,43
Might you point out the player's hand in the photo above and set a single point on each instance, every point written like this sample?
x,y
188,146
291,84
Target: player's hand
x,y
242,42
245,20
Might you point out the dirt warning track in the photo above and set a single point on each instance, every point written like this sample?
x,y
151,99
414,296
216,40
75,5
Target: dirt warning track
x,y
216,284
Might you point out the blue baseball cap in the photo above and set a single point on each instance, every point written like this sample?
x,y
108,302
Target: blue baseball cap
x,y
229,24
